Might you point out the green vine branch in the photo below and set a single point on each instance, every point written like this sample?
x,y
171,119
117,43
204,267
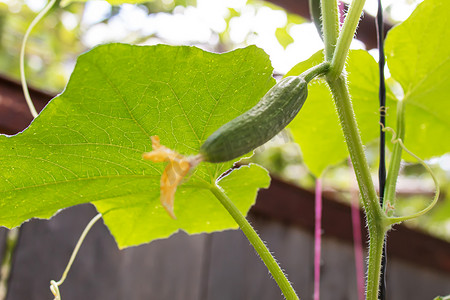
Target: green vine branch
x,y
353,139
345,39
376,219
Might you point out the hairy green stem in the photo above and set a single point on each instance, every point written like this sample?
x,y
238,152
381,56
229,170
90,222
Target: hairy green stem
x,y
257,243
394,165
345,38
376,219
350,129
376,242
330,26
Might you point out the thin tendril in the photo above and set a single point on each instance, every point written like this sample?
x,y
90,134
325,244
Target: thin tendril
x,y
54,286
394,220
22,56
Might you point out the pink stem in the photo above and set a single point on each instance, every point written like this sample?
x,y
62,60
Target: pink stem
x,y
317,238
357,246
341,8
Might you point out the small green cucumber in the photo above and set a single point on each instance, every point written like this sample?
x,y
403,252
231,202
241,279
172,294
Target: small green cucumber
x,y
259,124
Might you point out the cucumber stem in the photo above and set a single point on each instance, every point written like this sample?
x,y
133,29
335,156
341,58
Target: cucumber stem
x,y
257,243
315,71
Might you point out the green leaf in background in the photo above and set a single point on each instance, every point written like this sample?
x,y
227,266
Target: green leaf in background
x,y
87,144
316,128
283,37
418,56
442,298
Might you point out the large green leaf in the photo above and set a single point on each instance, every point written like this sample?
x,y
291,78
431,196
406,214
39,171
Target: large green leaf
x,y
87,144
418,56
316,128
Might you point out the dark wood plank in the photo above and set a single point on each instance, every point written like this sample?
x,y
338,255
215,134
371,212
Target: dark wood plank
x,y
3,232
165,269
237,273
229,258
208,267
338,275
14,113
407,281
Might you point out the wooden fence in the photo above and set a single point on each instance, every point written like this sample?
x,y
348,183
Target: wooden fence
x,y
219,266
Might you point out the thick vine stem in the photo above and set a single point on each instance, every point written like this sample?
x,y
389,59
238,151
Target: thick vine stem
x,y
330,26
377,233
345,39
258,244
376,219
351,133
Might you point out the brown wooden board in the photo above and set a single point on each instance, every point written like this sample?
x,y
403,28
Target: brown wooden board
x,y
222,265
235,272
14,113
408,281
165,269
